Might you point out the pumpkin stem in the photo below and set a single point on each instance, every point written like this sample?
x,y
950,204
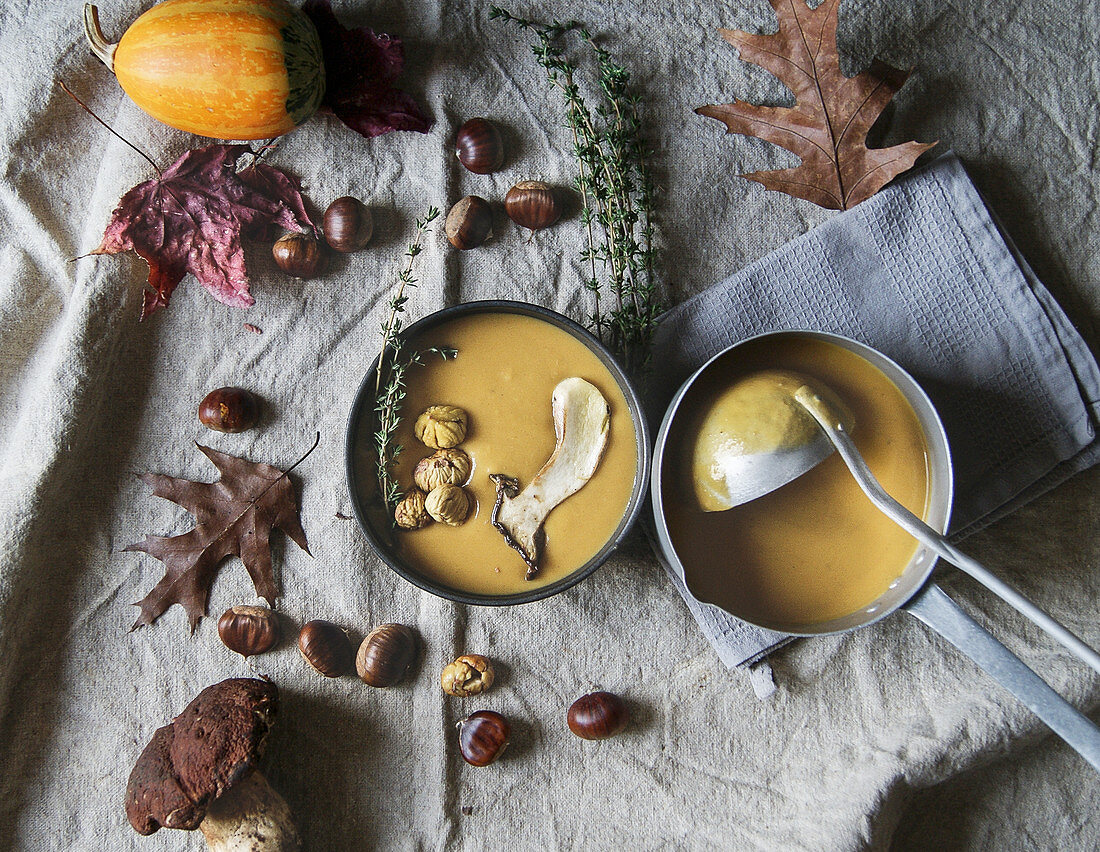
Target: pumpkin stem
x,y
100,46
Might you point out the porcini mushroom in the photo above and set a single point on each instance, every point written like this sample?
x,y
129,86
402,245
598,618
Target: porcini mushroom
x,y
581,422
200,771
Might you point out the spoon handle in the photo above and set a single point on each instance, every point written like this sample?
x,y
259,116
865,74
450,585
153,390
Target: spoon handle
x,y
932,606
931,539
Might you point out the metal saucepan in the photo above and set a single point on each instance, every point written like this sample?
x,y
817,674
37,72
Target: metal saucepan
x,y
913,591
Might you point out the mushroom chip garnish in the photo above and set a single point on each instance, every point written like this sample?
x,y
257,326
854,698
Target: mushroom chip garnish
x,y
581,422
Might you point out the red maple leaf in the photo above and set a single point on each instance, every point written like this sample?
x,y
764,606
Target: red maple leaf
x,y
191,219
827,127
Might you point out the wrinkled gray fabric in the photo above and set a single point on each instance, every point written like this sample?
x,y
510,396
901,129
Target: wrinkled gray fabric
x,y
921,273
884,738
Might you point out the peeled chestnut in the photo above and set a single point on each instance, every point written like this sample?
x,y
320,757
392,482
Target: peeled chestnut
x,y
482,737
348,224
326,647
532,204
249,630
470,223
229,410
386,654
299,255
470,674
479,147
598,715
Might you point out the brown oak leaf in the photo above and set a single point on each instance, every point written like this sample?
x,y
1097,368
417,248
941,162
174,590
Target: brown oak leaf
x,y
233,517
827,128
191,219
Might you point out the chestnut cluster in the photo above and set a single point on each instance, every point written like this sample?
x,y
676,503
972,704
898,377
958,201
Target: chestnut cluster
x,y
484,735
383,659
347,226
530,204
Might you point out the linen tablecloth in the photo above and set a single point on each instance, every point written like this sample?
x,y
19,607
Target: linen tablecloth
x,y
886,738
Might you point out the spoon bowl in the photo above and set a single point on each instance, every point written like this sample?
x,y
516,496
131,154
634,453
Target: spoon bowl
x,y
756,437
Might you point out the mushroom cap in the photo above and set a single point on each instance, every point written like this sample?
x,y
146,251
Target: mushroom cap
x,y
214,743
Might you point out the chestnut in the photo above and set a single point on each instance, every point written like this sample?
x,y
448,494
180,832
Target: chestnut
x,y
229,410
479,147
249,630
326,647
386,654
299,255
470,674
348,224
532,204
470,223
598,715
482,737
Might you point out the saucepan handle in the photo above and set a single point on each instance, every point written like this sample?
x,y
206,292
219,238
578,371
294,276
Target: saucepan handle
x,y
932,606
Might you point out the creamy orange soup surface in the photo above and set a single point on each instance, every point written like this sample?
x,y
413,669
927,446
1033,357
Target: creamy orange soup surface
x,y
503,377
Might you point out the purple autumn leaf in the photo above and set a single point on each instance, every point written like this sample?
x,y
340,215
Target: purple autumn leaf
x,y
360,69
192,218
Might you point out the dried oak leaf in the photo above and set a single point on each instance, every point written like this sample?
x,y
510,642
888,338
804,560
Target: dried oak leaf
x,y
192,217
828,125
233,517
360,69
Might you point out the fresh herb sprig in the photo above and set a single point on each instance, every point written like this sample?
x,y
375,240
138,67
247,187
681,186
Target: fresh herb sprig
x,y
393,364
615,186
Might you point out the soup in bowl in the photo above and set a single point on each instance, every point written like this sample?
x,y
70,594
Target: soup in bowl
x,y
514,362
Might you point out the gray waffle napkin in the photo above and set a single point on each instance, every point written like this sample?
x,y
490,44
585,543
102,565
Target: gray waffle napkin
x,y
920,272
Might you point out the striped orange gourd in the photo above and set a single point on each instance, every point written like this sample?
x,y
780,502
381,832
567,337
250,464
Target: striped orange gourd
x,y
227,69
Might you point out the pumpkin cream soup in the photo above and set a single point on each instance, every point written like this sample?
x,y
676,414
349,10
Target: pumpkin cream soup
x,y
817,548
502,381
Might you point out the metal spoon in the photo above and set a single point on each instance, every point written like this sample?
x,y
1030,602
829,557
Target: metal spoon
x,y
816,401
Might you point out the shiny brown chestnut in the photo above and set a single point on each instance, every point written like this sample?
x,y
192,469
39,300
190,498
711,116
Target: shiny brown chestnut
x,y
299,255
249,630
326,647
229,410
482,737
598,715
532,204
348,224
386,654
479,147
470,223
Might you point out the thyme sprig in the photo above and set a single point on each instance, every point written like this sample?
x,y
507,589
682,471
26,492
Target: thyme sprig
x,y
393,364
615,187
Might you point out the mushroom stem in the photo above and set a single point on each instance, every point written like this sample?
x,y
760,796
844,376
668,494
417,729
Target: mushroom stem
x,y
250,817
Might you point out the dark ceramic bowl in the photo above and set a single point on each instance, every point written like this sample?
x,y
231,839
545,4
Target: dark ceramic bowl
x,y
375,520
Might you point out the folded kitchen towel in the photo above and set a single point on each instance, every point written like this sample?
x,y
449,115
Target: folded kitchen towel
x,y
920,272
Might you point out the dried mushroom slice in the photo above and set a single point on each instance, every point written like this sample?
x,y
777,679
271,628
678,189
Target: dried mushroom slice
x,y
581,422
